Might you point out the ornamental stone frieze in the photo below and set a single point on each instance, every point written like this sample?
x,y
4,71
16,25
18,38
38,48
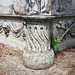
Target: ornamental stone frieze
x,y
13,30
64,28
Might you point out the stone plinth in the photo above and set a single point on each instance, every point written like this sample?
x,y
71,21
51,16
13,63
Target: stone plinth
x,y
38,54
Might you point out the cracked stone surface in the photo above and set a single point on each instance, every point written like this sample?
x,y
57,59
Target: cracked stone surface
x,y
11,63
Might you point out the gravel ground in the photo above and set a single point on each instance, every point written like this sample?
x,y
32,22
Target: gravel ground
x,y
11,63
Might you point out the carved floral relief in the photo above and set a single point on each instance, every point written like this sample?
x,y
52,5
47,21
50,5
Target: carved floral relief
x,y
15,27
65,29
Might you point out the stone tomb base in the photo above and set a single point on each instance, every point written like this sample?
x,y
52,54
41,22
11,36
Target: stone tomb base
x,y
32,36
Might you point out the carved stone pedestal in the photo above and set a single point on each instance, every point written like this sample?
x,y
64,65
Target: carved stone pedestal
x,y
38,54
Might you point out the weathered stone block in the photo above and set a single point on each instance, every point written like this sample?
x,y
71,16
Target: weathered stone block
x,y
37,7
38,54
61,7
